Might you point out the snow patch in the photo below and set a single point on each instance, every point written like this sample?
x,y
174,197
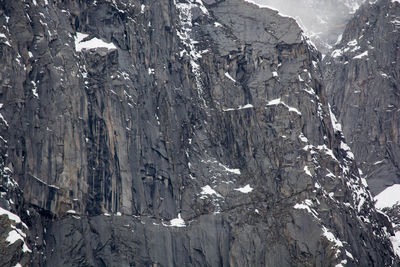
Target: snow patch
x,y
396,241
246,189
365,54
90,44
234,171
229,77
177,222
278,101
12,217
337,127
307,171
207,190
388,197
331,238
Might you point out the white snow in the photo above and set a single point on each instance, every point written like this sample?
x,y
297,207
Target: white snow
x,y
341,264
229,77
178,222
396,241
388,197
11,216
246,106
346,148
327,151
302,207
269,7
185,35
4,120
274,102
234,171
352,43
337,127
307,171
303,138
306,205
207,190
246,189
13,236
364,54
90,44
17,265
331,238
278,101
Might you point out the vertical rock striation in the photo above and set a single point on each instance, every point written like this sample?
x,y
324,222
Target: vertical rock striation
x,y
177,133
362,79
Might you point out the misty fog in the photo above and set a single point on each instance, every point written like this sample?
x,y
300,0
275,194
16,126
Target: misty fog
x,y
322,20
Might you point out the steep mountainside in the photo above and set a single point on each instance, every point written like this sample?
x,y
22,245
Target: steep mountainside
x,y
173,133
363,81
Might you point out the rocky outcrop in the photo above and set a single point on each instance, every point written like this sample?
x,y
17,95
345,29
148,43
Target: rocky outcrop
x,y
362,79
177,133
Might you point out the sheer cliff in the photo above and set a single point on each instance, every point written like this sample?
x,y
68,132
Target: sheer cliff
x,y
173,133
362,78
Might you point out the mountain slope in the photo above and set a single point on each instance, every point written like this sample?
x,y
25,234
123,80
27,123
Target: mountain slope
x,y
182,133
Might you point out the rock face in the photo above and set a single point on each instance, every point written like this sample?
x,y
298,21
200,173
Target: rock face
x,y
174,133
362,79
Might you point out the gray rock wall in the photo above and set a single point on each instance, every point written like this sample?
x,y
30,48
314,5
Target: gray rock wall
x,y
362,79
203,139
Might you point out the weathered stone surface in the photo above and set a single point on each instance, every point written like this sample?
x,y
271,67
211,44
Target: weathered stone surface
x,y
362,79
213,114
